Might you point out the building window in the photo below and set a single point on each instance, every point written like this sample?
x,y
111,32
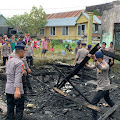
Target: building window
x,y
42,31
52,31
65,31
96,27
81,29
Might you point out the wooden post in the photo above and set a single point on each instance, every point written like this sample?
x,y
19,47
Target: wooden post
x,y
90,28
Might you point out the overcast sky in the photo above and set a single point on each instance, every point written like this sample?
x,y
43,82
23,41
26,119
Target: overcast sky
x,y
14,7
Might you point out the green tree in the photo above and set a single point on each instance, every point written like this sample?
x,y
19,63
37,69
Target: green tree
x,y
29,23
37,19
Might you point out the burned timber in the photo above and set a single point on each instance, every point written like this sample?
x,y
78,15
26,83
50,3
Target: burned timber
x,y
61,95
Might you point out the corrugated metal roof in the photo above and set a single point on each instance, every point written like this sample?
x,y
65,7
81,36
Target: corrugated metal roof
x,y
71,21
64,14
95,18
64,19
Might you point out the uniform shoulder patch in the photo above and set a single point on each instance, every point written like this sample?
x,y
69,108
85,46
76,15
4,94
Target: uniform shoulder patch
x,y
104,64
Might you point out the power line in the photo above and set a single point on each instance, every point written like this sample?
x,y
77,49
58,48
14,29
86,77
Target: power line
x,y
46,8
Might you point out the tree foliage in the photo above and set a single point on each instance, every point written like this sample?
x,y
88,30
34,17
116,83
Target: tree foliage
x,y
96,12
29,23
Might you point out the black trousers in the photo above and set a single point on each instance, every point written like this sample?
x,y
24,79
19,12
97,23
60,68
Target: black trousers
x,y
4,60
11,103
111,64
82,71
26,84
98,96
29,58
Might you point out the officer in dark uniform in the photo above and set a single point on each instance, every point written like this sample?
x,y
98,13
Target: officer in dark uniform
x,y
14,86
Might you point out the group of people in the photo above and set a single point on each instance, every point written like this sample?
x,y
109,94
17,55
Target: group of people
x,y
8,46
68,48
102,65
19,54
17,69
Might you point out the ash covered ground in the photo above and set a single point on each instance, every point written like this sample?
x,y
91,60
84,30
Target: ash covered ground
x,y
58,107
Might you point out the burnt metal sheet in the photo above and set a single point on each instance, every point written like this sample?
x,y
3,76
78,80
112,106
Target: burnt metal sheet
x,y
117,36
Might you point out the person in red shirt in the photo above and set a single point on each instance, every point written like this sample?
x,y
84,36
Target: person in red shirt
x,y
27,38
1,40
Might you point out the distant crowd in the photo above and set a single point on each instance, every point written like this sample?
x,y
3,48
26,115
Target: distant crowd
x,y
43,45
8,46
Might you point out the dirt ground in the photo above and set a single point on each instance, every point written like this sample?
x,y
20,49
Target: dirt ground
x,y
60,108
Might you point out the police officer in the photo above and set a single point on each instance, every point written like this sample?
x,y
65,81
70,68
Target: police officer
x,y
26,79
77,47
81,54
106,58
14,87
111,49
103,83
5,51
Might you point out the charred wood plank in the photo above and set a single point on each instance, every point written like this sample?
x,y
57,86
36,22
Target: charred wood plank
x,y
2,67
73,86
110,111
110,54
77,69
77,101
42,73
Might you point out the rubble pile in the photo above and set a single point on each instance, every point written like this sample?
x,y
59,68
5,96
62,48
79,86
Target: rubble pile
x,y
47,104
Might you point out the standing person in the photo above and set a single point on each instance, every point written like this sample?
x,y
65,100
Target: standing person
x,y
77,47
14,87
25,77
18,39
103,82
38,44
111,49
43,46
89,47
35,44
32,43
13,42
52,49
1,40
5,51
27,38
48,41
29,53
81,54
106,58
103,46
5,37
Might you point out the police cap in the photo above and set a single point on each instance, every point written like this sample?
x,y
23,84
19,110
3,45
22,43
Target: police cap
x,y
99,54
